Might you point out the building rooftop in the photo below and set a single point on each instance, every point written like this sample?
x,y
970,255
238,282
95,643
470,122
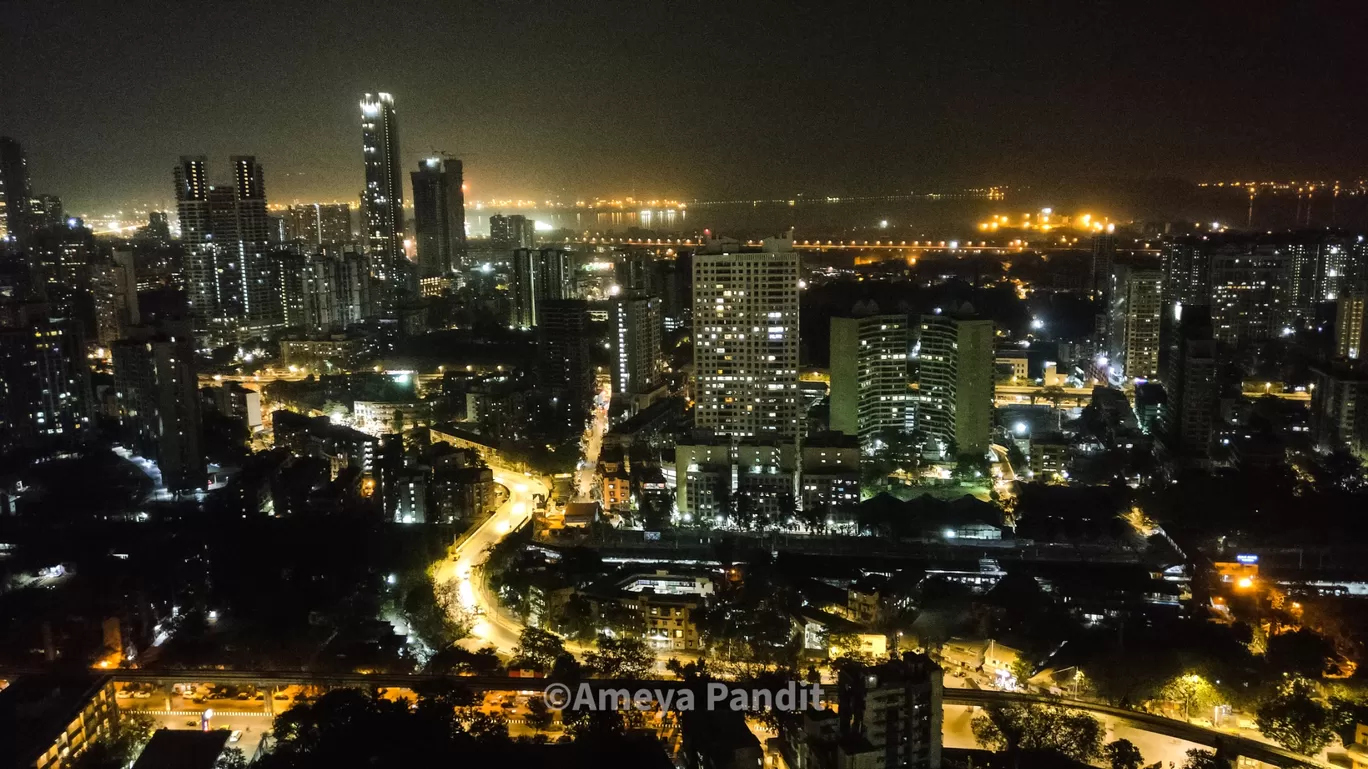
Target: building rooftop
x,y
35,709
183,749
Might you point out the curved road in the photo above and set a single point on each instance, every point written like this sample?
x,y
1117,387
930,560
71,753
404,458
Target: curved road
x,y
492,628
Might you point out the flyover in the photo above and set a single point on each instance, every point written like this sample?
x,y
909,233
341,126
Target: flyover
x,y
1230,744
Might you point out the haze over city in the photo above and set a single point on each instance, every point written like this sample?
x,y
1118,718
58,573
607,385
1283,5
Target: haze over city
x,y
697,100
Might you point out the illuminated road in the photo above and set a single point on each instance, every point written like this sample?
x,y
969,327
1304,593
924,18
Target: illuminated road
x,y
593,444
492,627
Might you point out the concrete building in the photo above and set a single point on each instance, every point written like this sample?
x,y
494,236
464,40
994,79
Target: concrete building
x,y
1190,386
1339,407
47,720
158,404
830,474
226,232
955,377
510,232
714,477
319,224
869,382
45,395
538,276
746,340
14,192
439,216
634,334
1134,316
1350,339
563,354
1249,297
382,199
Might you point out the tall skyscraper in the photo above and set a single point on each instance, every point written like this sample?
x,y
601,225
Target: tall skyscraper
x,y
869,382
746,340
510,232
1135,312
114,289
382,200
563,357
226,231
1350,310
438,216
634,334
538,275
45,399
1250,296
1103,257
158,401
955,381
14,191
1190,386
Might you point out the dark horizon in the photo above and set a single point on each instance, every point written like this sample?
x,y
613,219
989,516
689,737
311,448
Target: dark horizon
x,y
714,101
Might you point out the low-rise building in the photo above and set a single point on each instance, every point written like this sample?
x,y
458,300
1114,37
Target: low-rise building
x,y
47,720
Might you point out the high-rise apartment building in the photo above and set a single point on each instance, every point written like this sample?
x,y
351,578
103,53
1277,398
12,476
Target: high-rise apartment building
x,y
890,714
746,340
158,400
538,276
1339,407
382,199
1103,257
1190,386
438,216
565,370
955,382
45,398
1134,315
46,213
14,191
1350,309
869,381
319,224
226,232
510,232
1250,296
634,329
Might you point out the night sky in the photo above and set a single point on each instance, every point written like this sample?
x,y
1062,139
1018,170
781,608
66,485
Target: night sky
x,y
686,99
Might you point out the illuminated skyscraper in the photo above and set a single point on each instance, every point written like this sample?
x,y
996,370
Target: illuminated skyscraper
x,y
634,334
14,190
538,275
869,391
1350,311
382,200
438,216
746,340
1135,311
955,375
226,232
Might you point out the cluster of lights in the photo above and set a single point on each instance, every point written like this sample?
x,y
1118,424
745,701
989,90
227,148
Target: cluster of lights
x,y
1047,220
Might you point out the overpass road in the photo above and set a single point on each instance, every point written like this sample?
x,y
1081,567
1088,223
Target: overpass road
x,y
1232,744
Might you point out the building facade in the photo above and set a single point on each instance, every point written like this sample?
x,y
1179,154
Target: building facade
x,y
382,199
869,382
955,381
438,216
746,340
